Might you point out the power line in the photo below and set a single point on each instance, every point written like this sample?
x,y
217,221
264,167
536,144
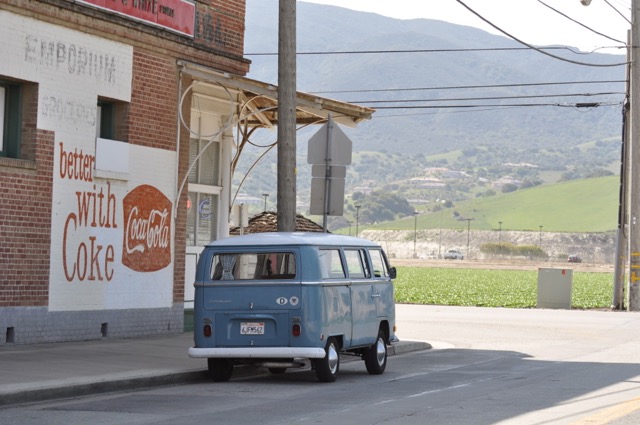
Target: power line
x,y
456,50
533,47
508,105
485,86
619,13
480,108
457,99
581,24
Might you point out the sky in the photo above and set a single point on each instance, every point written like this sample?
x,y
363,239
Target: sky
x,y
529,20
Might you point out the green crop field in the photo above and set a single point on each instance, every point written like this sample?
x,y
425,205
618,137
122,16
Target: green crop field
x,y
493,288
585,206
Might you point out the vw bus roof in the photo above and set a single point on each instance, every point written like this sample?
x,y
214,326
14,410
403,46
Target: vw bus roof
x,y
291,238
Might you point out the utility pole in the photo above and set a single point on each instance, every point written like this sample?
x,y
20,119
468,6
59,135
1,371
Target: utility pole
x,y
286,197
622,240
634,198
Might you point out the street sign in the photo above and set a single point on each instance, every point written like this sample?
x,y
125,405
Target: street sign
x,y
335,206
332,146
335,171
329,152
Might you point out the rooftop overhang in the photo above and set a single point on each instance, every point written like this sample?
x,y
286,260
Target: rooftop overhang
x,y
261,100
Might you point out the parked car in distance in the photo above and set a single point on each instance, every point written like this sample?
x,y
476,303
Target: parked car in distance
x,y
573,258
453,254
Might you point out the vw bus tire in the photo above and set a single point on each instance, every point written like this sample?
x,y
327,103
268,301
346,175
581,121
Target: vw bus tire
x,y
375,357
327,368
220,369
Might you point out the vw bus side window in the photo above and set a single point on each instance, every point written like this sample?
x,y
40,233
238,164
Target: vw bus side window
x,y
378,263
330,264
253,266
357,263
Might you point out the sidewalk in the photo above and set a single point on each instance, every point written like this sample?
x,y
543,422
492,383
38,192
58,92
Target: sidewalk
x,y
31,373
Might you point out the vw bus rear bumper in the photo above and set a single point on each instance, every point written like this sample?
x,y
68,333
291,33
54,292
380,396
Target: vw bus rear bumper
x,y
257,353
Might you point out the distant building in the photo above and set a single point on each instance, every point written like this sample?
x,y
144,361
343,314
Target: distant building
x,y
267,221
445,173
366,188
427,182
454,174
519,165
498,184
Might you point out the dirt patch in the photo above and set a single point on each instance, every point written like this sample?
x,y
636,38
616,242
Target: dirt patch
x,y
426,248
501,264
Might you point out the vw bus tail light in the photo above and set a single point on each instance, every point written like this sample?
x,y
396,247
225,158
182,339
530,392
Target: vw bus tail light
x,y
296,329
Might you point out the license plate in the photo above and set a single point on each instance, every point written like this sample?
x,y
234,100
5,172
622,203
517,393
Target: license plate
x,y
252,328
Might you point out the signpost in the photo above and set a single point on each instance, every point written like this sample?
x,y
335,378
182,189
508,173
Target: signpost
x,y
329,152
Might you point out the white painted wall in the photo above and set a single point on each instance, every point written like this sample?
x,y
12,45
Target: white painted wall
x,y
88,226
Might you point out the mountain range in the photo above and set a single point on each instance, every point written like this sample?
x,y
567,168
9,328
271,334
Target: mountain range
x,y
512,104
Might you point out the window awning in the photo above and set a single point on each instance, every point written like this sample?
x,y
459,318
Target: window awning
x,y
261,100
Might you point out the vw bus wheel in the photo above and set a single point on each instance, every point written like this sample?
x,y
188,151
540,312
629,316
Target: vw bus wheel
x,y
375,357
220,369
327,368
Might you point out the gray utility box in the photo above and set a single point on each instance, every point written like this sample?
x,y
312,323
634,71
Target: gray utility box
x,y
554,288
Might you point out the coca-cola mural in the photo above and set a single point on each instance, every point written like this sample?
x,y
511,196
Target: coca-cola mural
x,y
147,224
111,237
112,223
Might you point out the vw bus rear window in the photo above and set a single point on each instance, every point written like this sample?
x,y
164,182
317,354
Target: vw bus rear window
x,y
379,263
331,265
253,266
357,263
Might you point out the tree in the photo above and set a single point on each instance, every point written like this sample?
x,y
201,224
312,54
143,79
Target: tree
x,y
509,187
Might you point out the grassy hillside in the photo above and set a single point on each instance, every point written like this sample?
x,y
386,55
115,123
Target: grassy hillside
x,y
589,205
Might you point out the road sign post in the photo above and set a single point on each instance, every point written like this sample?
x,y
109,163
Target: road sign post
x,y
329,153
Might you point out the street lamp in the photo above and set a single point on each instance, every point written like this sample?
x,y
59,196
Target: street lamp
x,y
266,195
415,232
500,238
442,202
540,245
357,217
468,235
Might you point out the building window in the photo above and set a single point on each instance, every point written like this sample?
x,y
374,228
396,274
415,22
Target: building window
x,y
105,120
111,120
10,117
204,192
112,149
202,217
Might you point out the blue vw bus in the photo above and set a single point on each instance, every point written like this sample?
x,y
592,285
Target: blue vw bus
x,y
280,300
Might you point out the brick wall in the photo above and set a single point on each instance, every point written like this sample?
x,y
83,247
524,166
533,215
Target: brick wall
x,y
25,226
26,185
153,112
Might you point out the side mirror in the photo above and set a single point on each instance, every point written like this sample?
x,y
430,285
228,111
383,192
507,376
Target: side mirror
x,y
392,272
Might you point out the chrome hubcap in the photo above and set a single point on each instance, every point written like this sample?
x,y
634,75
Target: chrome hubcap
x,y
332,358
380,351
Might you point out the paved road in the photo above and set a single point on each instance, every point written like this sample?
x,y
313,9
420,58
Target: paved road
x,y
488,366
602,347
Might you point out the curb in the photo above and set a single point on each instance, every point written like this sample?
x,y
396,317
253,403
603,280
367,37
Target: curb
x,y
36,393
408,346
99,386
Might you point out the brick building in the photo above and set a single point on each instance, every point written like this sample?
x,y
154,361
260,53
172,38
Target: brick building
x,y
116,154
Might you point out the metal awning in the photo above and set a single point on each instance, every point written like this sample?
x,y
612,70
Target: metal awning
x,y
261,99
